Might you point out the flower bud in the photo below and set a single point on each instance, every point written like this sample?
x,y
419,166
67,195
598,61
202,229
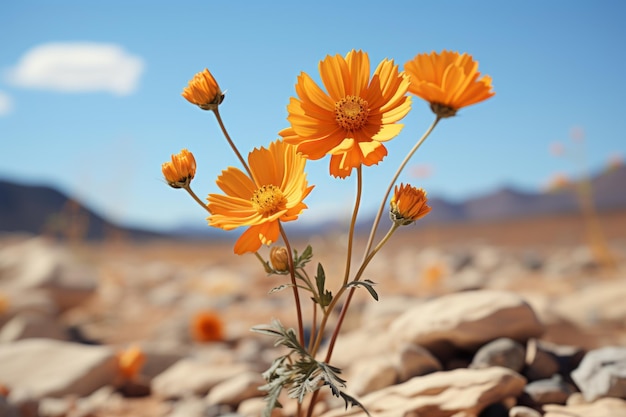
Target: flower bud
x,y
180,171
408,204
279,257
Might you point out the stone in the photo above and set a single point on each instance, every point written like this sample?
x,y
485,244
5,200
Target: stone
x,y
413,360
236,389
253,407
600,302
32,325
503,352
462,392
466,321
372,374
549,391
193,377
39,368
603,407
540,363
602,373
522,411
39,263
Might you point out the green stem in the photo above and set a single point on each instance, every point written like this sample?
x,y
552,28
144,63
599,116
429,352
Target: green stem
x,y
344,309
355,212
296,295
195,197
393,181
231,143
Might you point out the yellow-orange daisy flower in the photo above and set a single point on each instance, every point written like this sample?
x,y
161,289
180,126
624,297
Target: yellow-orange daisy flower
x,y
203,91
448,81
356,114
180,170
408,204
207,326
274,193
130,361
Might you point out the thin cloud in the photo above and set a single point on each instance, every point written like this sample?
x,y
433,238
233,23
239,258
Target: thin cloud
x,y
78,67
6,104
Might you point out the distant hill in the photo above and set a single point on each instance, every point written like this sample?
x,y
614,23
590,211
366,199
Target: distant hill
x,y
42,209
608,189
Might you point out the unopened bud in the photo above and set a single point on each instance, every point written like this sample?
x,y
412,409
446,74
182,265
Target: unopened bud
x,y
279,257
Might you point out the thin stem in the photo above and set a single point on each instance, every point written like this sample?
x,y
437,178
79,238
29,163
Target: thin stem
x,y
231,143
337,297
344,309
357,203
393,181
195,197
296,295
370,255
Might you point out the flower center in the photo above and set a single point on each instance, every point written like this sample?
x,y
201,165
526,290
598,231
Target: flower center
x,y
268,200
351,112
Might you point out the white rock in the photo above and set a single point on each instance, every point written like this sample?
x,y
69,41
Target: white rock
x,y
37,368
39,263
193,377
462,392
467,320
32,325
236,389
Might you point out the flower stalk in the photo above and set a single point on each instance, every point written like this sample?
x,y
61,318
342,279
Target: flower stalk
x,y
349,121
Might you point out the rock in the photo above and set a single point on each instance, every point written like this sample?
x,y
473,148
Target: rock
x,y
39,368
412,360
600,302
189,407
40,264
32,325
7,409
466,321
253,407
193,377
503,352
540,362
549,391
236,389
462,392
602,373
545,359
521,411
372,374
604,407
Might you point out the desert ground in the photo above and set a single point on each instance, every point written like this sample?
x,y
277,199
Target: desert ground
x,y
146,294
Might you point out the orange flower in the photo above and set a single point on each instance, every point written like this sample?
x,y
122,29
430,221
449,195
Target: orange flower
x,y
351,121
207,326
130,361
448,81
180,171
408,204
274,193
203,91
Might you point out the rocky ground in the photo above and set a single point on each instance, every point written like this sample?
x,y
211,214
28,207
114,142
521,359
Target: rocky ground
x,y
508,319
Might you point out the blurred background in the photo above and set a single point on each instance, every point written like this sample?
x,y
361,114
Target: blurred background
x,y
90,102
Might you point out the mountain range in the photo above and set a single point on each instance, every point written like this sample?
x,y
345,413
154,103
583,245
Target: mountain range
x,y
40,209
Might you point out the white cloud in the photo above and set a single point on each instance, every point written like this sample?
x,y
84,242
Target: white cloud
x,y
6,104
78,67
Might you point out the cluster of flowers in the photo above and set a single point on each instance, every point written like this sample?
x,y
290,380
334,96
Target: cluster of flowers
x,y
350,119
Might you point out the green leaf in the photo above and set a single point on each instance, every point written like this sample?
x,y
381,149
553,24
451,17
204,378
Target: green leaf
x,y
324,297
305,258
369,286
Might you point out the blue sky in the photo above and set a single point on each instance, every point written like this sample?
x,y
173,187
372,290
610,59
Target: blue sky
x,y
102,133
